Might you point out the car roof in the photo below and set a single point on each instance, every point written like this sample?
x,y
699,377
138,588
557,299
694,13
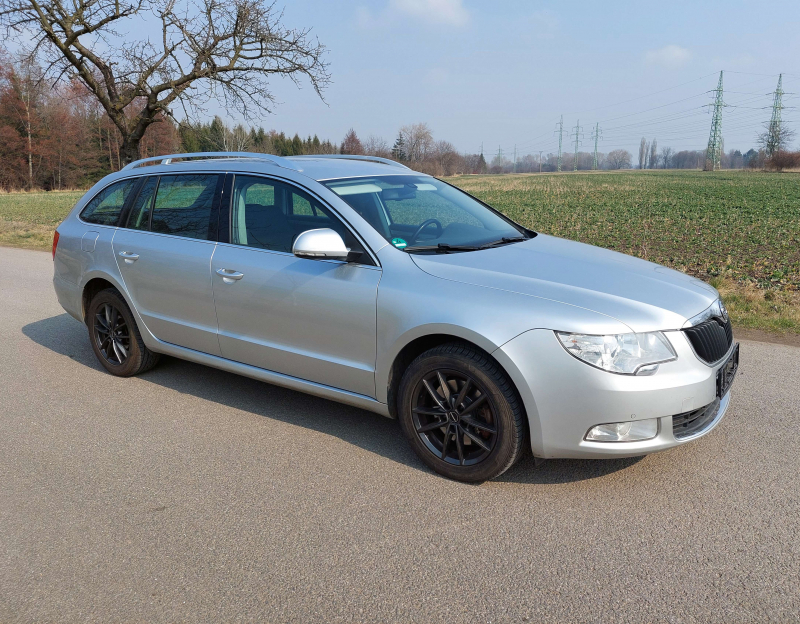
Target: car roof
x,y
325,168
316,167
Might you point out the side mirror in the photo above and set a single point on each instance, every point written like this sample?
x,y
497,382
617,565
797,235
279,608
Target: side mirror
x,y
318,244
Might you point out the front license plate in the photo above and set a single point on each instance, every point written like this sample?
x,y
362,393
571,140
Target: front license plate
x,y
726,374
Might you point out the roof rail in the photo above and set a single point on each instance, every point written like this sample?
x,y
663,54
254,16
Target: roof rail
x,y
376,159
166,160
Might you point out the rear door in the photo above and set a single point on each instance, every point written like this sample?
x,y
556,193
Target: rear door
x,y
164,255
312,319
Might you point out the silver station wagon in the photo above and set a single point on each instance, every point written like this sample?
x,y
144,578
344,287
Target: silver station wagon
x,y
359,280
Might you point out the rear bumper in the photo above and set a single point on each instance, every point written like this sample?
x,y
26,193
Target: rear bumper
x,y
69,296
564,397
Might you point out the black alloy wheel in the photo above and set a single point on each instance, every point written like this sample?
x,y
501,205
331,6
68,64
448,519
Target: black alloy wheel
x,y
454,417
115,338
461,413
112,334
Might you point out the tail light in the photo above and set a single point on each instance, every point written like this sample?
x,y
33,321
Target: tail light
x,y
55,244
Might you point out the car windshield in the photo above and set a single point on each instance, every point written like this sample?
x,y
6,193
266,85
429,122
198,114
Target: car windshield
x,y
421,214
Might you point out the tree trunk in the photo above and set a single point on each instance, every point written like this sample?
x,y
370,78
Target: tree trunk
x,y
110,150
129,150
30,145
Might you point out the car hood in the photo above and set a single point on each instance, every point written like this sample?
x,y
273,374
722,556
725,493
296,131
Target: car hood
x,y
642,295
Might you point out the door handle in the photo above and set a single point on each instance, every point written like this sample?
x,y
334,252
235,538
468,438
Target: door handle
x,y
128,256
229,276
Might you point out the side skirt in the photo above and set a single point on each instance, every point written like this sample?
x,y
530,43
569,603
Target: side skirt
x,y
279,379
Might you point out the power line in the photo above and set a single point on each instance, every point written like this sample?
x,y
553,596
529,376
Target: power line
x,y
678,123
641,97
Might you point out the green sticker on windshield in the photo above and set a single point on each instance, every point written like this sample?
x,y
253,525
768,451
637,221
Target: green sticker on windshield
x,y
399,243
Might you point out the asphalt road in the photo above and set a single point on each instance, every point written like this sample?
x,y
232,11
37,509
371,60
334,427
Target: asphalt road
x,y
193,494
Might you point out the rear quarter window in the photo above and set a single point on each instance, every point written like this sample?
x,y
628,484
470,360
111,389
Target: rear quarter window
x,y
105,207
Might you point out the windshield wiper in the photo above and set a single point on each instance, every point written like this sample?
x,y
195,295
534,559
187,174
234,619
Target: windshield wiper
x,y
445,248
442,248
504,241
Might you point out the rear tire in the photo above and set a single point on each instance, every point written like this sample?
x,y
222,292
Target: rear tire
x,y
461,414
115,338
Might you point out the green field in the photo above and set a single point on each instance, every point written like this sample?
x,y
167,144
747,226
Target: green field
x,y
29,219
741,225
738,230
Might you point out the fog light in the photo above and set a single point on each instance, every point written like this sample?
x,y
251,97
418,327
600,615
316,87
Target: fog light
x,y
633,431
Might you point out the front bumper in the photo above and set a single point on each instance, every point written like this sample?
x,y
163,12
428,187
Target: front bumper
x,y
565,397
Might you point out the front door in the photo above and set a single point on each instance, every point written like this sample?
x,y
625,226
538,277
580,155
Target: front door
x,y
164,257
312,319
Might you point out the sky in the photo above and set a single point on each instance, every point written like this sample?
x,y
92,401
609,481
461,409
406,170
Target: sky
x,y
501,73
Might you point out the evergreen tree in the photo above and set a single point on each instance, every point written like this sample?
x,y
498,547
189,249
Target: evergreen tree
x,y
297,145
216,135
482,168
399,149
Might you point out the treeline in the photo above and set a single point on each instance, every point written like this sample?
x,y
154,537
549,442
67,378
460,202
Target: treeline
x,y
218,137
56,136
651,158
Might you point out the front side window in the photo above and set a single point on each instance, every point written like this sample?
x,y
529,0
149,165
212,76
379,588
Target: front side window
x,y
268,214
184,205
106,206
420,213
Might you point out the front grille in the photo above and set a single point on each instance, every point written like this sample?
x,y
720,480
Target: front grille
x,y
689,423
711,339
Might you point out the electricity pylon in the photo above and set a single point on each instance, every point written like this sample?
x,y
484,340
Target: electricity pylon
x,y
714,150
578,137
560,134
774,131
596,136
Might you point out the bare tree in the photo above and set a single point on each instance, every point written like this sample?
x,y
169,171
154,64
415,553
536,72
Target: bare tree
x,y
619,159
351,143
206,49
653,161
236,140
448,160
776,138
642,153
666,157
377,146
417,141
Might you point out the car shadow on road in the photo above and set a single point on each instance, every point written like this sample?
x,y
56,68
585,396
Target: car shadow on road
x,y
64,335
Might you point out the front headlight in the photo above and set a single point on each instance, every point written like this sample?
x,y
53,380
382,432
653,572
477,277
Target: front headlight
x,y
627,354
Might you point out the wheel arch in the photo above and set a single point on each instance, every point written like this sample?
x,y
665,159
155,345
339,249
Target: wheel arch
x,y
98,281
91,288
417,345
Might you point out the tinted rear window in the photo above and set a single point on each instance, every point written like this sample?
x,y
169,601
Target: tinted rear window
x,y
183,205
105,207
139,217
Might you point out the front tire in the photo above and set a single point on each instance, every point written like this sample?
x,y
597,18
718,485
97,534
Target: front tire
x,y
115,338
461,414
